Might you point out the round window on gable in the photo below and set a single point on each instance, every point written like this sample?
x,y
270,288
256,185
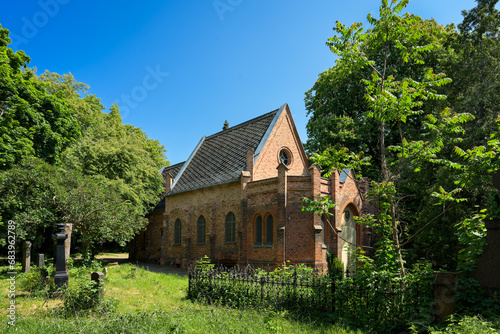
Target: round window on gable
x,y
284,157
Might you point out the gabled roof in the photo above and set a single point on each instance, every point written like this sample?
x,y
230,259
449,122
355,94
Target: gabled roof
x,y
173,169
221,157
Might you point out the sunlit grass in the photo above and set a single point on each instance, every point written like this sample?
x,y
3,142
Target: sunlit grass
x,y
149,302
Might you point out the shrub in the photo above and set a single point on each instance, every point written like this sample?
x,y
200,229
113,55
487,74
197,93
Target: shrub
x,y
473,325
81,294
37,282
370,299
335,266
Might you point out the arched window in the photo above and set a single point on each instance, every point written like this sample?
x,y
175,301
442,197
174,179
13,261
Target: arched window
x,y
269,230
200,235
177,232
230,227
258,230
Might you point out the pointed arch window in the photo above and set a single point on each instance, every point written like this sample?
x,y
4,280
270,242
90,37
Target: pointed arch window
x,y
269,230
177,232
230,235
258,230
200,228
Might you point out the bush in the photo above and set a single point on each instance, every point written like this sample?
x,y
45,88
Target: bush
x,y
369,299
335,266
37,281
473,325
82,295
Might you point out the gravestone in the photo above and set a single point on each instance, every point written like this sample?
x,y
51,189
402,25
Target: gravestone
x,y
105,272
98,280
41,265
26,256
41,260
444,294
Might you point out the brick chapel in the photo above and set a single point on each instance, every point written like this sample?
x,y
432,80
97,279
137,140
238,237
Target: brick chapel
x,y
237,199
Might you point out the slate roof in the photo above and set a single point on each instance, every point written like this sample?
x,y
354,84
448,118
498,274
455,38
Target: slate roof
x,y
173,169
221,157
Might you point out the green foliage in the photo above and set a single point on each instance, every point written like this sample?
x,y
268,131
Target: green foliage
x,y
472,238
81,294
35,194
382,110
101,174
205,264
155,303
335,266
321,207
36,282
337,103
120,156
467,324
379,301
33,122
384,302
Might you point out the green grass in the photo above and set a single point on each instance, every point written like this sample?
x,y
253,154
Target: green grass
x,y
148,302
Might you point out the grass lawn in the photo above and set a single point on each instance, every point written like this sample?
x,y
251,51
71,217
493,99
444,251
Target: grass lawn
x,y
146,302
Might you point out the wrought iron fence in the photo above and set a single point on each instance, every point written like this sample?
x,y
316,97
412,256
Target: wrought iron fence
x,y
357,300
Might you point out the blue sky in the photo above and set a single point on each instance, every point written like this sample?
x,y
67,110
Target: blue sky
x,y
179,69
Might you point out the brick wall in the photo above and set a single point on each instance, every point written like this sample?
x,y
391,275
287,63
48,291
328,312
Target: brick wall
x,y
267,188
282,136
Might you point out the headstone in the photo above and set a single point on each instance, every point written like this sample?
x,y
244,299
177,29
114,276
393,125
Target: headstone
x,y
41,260
444,294
105,272
98,279
26,256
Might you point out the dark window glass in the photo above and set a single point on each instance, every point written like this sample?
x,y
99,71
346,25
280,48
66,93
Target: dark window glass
x,y
269,229
177,232
201,230
258,230
284,158
230,227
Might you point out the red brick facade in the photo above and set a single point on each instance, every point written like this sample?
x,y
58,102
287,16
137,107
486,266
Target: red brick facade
x,y
270,227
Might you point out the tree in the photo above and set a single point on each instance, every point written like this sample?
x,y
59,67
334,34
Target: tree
x,y
475,68
336,103
113,153
415,133
35,195
33,122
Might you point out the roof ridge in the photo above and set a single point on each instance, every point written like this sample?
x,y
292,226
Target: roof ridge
x,y
174,165
243,124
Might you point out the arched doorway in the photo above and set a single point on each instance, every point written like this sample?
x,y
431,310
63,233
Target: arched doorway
x,y
349,239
